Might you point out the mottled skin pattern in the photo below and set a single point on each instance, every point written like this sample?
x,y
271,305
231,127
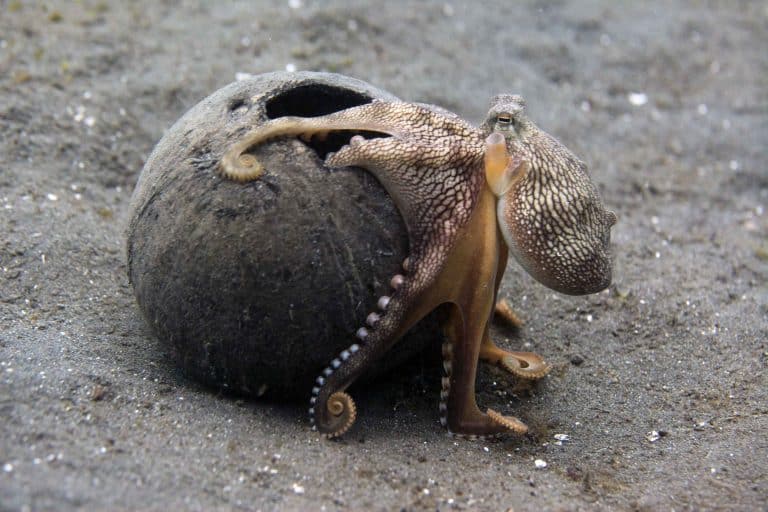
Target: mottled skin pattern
x,y
557,216
468,196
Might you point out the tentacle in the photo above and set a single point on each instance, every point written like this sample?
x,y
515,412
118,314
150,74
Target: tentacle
x,y
434,184
445,382
404,120
526,365
509,422
332,411
433,200
504,312
467,327
458,409
237,165
341,414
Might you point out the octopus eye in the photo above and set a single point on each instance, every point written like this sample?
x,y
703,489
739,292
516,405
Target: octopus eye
x,y
504,119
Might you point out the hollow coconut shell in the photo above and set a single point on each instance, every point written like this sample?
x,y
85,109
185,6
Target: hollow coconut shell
x,y
255,287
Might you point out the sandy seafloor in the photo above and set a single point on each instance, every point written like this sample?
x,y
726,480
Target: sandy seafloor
x,y
666,101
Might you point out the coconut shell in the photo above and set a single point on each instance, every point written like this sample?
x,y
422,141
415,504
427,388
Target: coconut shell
x,y
255,287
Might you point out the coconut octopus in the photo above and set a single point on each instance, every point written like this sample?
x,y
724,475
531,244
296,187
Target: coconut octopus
x,y
469,196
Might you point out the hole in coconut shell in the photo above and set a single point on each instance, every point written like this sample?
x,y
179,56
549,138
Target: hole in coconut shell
x,y
314,100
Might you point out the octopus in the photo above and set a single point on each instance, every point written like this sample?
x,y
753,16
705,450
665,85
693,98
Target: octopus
x,y
469,196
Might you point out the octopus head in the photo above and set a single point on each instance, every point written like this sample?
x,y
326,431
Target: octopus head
x,y
548,209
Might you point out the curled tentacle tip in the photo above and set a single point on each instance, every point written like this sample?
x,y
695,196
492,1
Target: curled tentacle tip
x,y
526,365
383,302
241,168
397,281
247,160
341,415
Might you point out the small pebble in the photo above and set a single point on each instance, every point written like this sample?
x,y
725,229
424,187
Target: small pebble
x,y
637,99
652,436
576,360
540,463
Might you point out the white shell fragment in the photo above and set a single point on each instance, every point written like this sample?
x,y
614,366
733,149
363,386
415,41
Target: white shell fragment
x,y
637,99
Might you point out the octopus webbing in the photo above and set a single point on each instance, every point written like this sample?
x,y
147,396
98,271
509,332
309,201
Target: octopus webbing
x,y
468,196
